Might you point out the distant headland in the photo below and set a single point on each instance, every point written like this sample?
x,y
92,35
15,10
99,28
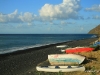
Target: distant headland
x,y
95,30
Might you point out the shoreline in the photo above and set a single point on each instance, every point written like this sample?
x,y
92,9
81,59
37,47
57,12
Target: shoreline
x,y
38,47
23,62
31,49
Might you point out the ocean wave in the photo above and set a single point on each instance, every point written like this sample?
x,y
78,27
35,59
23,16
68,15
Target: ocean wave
x,y
13,49
11,43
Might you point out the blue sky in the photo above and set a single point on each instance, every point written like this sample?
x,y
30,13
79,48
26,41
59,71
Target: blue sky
x,y
48,16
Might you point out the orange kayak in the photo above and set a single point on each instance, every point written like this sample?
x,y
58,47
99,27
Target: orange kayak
x,y
79,49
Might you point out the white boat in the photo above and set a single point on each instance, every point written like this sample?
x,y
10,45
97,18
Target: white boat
x,y
64,59
62,46
63,50
60,68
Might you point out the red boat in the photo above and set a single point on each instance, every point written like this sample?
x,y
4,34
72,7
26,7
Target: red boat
x,y
79,49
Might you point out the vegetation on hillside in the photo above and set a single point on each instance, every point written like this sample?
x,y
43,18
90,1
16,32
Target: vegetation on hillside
x,y
95,30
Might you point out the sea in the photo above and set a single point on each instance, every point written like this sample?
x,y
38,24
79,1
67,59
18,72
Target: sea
x,y
14,42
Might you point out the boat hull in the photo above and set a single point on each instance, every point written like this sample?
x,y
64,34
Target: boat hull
x,y
65,59
60,68
79,49
62,46
96,44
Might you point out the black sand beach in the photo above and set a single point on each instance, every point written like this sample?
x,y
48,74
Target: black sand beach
x,y
24,62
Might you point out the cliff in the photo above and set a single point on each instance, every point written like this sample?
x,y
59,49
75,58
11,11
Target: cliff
x,y
95,30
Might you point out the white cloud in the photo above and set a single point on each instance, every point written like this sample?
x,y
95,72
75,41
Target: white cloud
x,y
26,17
29,24
81,28
49,29
96,17
66,23
94,8
68,9
14,17
88,17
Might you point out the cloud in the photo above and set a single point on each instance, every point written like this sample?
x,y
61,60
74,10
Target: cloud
x,y
15,17
66,23
88,17
94,8
68,9
96,17
81,28
26,17
9,17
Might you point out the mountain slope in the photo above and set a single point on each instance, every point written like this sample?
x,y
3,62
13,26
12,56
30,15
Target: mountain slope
x,y
95,30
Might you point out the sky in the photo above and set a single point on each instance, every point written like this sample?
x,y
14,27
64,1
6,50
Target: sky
x,y
48,16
